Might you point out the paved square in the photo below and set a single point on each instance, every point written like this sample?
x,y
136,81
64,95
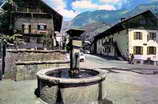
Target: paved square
x,y
122,86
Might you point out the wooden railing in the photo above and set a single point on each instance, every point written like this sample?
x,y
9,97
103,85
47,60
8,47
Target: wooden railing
x,y
35,31
28,10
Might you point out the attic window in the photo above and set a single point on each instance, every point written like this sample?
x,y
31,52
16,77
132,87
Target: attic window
x,y
142,22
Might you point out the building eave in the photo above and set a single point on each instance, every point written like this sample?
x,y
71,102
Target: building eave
x,y
119,26
2,5
58,18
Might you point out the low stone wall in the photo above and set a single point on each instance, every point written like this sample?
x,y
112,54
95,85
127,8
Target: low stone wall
x,y
23,64
27,70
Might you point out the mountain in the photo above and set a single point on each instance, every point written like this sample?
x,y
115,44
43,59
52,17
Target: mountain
x,y
98,16
95,22
65,25
92,30
111,17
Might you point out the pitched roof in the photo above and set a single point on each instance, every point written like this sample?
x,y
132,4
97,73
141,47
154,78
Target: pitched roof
x,y
75,32
56,17
3,3
120,26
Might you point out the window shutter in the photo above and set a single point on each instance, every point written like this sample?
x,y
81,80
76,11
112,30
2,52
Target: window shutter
x,y
23,28
155,36
154,50
45,27
134,36
141,50
29,28
141,36
134,50
38,27
148,50
148,37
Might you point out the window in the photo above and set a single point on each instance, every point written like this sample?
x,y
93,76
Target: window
x,y
138,50
39,40
23,27
107,49
142,22
151,50
111,40
41,27
152,36
26,28
27,39
137,36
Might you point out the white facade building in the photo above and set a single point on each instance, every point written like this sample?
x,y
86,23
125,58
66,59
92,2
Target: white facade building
x,y
137,35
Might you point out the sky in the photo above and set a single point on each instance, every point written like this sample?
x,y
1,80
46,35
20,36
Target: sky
x,y
71,8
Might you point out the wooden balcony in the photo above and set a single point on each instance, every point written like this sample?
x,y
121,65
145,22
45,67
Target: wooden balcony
x,y
28,10
31,13
37,32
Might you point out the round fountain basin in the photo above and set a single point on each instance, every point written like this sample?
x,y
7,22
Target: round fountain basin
x,y
55,86
64,73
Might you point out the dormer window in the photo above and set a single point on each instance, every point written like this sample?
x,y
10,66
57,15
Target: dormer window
x,y
142,22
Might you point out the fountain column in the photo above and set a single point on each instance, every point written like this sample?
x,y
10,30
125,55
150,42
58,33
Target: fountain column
x,y
75,45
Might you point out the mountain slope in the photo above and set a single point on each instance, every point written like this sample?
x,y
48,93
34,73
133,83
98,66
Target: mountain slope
x,y
111,17
92,30
98,21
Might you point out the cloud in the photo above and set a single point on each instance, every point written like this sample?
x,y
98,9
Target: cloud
x,y
68,14
106,7
110,1
116,3
87,4
60,7
83,4
57,4
78,6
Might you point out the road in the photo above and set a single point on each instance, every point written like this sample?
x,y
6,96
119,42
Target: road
x,y
127,84
107,62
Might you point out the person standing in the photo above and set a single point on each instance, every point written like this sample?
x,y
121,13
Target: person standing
x,y
129,58
132,59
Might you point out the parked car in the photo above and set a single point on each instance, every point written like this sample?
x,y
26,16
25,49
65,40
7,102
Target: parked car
x,y
82,57
87,51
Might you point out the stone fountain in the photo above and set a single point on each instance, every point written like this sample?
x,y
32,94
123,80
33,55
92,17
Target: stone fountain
x,y
72,85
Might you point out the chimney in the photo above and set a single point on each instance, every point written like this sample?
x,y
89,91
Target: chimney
x,y
122,19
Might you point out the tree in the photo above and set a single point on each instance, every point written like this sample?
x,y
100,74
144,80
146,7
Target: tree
x,y
6,23
5,18
14,39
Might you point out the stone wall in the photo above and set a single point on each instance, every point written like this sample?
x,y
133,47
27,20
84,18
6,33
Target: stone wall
x,y
23,64
28,70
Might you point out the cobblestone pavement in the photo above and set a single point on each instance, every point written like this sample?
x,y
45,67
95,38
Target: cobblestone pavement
x,y
136,85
